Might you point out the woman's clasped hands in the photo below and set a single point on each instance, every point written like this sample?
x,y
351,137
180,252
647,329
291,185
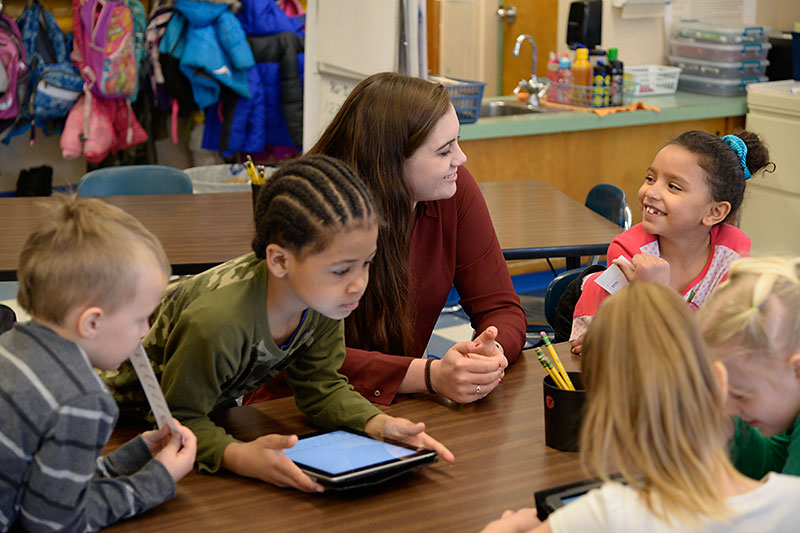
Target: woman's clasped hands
x,y
470,370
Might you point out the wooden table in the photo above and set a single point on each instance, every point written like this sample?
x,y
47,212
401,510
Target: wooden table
x,y
197,230
532,219
501,459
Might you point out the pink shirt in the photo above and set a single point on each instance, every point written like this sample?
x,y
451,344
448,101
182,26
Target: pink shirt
x,y
728,243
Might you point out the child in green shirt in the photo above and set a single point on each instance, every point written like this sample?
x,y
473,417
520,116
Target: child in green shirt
x,y
752,324
224,332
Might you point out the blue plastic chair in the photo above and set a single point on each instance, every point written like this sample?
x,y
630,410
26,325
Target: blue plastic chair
x,y
609,201
554,292
135,179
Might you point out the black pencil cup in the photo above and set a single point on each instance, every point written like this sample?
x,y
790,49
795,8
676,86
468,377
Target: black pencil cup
x,y
563,413
255,189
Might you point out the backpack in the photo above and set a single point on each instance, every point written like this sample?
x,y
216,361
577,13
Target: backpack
x,y
562,328
160,15
107,44
15,70
97,127
55,83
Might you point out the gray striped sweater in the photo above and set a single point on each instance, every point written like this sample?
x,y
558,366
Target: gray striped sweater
x,y
55,417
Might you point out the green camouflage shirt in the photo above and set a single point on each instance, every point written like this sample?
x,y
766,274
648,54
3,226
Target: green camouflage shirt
x,y
210,343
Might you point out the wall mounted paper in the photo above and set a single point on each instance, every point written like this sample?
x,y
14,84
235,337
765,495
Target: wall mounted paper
x,y
359,36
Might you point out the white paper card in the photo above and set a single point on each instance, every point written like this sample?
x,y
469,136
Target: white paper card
x,y
152,389
612,279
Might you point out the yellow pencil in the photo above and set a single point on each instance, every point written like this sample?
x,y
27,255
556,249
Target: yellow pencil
x,y
250,174
556,375
557,361
255,178
542,361
550,370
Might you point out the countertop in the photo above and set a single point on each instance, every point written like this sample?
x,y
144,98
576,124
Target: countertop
x,y
674,107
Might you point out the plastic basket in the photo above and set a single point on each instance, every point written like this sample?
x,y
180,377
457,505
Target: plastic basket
x,y
465,95
653,79
219,178
589,95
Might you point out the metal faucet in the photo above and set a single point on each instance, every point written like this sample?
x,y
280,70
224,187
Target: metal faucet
x,y
533,86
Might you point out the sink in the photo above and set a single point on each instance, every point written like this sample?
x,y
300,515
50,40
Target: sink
x,y
504,109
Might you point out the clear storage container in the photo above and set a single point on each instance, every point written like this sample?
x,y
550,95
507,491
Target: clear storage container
x,y
652,79
721,33
720,69
716,87
729,53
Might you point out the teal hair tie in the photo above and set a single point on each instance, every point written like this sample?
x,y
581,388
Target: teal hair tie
x,y
740,148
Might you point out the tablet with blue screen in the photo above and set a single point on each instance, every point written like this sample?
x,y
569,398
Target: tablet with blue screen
x,y
549,500
347,459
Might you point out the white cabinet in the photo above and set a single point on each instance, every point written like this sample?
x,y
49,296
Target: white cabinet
x,y
771,210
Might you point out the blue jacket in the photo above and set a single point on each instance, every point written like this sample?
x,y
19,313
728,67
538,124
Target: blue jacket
x,y
273,115
212,48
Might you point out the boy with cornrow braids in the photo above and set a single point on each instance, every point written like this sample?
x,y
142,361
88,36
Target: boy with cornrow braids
x,y
222,333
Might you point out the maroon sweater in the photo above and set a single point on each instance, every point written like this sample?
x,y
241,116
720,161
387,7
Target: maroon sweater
x,y
453,244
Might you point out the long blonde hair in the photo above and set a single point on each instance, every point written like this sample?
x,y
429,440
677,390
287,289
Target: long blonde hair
x,y
655,412
756,311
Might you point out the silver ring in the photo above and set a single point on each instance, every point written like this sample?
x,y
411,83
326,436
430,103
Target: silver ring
x,y
477,389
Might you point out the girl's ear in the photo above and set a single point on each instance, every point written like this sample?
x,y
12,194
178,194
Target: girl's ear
x,y
716,213
721,375
89,321
277,260
794,362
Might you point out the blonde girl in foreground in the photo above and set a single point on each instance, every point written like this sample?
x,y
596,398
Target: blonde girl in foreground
x,y
655,415
752,325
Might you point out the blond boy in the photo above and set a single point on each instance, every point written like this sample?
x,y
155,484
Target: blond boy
x,y
89,276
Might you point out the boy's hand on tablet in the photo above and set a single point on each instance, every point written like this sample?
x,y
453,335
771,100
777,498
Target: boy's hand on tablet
x,y
264,459
404,430
177,451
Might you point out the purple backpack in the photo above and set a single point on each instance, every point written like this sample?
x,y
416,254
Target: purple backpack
x,y
108,48
12,60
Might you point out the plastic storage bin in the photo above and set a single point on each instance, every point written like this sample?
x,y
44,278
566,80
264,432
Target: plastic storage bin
x,y
721,33
650,80
219,178
729,53
717,87
719,69
465,95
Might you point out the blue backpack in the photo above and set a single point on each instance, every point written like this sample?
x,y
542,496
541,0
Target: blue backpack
x,y
55,83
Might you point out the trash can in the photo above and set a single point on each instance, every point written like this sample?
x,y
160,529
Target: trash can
x,y
219,178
